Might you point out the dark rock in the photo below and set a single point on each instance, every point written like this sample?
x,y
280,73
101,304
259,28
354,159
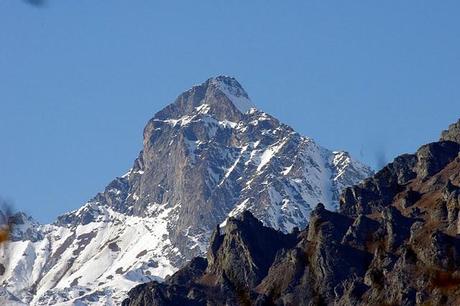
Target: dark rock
x,y
397,227
377,192
410,198
245,251
190,272
435,156
360,232
440,211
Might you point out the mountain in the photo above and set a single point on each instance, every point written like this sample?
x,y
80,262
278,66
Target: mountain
x,y
394,241
208,156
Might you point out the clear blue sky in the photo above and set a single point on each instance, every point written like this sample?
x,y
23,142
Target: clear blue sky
x,y
79,79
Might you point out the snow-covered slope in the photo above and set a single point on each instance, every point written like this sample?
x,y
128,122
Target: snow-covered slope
x,y
88,262
209,155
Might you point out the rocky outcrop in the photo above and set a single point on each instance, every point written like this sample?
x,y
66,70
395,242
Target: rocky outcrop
x,y
239,257
452,133
380,190
394,241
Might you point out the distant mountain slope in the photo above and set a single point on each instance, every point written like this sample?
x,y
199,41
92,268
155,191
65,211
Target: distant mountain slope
x,y
207,156
394,241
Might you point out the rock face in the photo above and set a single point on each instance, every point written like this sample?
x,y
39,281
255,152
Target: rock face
x,y
394,241
452,133
208,156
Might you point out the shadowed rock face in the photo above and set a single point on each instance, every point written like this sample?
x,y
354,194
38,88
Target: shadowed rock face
x,y
394,241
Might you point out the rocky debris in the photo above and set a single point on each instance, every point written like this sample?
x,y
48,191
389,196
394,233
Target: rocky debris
x,y
394,241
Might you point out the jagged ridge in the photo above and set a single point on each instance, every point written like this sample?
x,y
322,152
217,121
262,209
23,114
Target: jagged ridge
x,y
395,241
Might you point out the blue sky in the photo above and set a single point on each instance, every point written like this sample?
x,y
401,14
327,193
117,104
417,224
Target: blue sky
x,y
79,79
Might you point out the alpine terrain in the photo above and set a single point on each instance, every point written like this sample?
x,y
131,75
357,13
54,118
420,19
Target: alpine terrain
x,y
394,241
206,157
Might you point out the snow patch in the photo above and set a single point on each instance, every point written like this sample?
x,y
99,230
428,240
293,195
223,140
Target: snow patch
x,y
268,154
234,92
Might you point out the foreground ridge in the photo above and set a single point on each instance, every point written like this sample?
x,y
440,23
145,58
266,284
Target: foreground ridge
x,y
394,241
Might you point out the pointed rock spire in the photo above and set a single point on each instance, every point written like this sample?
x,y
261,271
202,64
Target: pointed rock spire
x,y
222,97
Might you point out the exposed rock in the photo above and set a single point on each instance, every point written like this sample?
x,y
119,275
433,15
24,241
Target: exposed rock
x,y
24,228
397,227
410,198
394,242
452,133
360,232
245,251
435,156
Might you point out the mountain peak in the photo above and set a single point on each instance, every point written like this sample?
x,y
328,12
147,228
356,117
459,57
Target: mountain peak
x,y
203,161
224,97
234,92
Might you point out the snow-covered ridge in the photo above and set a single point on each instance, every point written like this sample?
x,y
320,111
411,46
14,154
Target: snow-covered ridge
x,y
100,260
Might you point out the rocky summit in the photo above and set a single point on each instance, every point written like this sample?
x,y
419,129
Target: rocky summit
x,y
394,241
208,157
